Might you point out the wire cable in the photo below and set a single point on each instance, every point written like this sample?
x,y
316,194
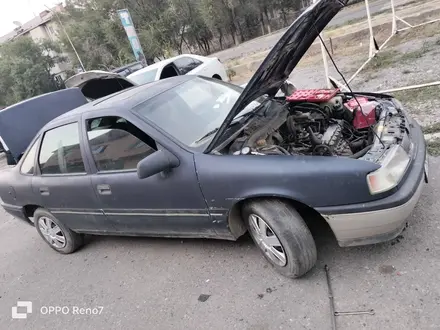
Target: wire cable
x,y
348,86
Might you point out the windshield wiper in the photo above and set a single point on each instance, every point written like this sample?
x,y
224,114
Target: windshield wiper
x,y
208,134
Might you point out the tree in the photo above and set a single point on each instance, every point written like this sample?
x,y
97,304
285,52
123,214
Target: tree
x,y
96,33
167,27
25,69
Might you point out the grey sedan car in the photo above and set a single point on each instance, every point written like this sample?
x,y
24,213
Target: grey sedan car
x,y
196,157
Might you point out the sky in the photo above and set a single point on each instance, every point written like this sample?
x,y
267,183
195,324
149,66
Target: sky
x,y
21,11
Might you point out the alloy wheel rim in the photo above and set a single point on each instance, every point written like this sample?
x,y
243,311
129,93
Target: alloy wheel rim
x,y
52,233
267,240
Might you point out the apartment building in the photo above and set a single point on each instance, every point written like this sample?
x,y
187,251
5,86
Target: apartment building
x,y
44,26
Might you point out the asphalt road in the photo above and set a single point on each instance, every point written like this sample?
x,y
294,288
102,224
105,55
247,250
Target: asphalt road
x,y
144,283
266,42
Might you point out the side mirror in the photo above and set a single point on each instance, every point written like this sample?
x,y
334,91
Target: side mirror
x,y
155,163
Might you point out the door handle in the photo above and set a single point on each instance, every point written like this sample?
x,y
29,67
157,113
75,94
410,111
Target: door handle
x,y
44,191
104,189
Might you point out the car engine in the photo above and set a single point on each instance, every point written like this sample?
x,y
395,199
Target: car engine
x,y
312,122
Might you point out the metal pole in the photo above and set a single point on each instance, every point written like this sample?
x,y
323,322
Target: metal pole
x,y
324,60
68,38
370,27
434,83
330,297
394,23
374,53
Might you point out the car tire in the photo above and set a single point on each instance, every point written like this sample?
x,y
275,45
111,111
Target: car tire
x,y
281,235
55,233
216,76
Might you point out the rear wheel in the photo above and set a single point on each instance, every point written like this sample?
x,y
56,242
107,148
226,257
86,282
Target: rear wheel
x,y
55,233
216,76
281,235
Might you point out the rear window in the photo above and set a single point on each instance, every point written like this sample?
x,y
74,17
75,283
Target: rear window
x,y
186,64
144,77
60,151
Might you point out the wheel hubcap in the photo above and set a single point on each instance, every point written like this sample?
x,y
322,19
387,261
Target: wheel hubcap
x,y
52,232
267,240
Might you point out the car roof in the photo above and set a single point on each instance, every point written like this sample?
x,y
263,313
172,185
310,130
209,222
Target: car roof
x,y
161,64
127,66
151,67
128,98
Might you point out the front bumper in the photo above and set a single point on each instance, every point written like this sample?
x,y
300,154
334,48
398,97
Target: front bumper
x,y
383,219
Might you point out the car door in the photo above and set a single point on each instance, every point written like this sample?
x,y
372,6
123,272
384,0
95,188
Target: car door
x,y
165,204
62,182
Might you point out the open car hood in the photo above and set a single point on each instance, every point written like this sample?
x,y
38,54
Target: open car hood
x,y
96,84
283,58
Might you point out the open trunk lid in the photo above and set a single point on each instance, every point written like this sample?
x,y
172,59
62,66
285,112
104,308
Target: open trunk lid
x,y
96,84
19,123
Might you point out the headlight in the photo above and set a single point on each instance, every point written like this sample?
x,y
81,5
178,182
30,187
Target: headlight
x,y
389,175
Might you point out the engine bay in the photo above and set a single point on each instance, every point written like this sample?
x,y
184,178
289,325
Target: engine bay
x,y
321,123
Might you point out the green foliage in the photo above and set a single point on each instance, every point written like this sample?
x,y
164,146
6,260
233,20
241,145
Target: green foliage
x,y
165,28
434,147
25,69
96,33
168,27
434,128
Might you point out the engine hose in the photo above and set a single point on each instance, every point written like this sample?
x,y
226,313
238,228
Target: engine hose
x,y
313,139
277,136
357,144
311,107
275,149
284,151
269,151
362,152
290,122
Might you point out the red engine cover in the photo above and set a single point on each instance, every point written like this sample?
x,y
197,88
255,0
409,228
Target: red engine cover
x,y
312,95
365,117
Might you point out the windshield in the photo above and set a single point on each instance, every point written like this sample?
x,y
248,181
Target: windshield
x,y
193,109
144,77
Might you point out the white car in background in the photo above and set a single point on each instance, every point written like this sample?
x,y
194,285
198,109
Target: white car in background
x,y
180,65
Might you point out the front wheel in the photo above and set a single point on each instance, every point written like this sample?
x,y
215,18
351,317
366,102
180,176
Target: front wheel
x,y
55,233
282,236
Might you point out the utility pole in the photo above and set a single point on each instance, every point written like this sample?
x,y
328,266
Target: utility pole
x,y
68,38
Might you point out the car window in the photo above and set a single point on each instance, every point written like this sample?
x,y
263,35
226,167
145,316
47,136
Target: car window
x,y
116,144
144,77
186,64
168,71
60,151
27,167
196,63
